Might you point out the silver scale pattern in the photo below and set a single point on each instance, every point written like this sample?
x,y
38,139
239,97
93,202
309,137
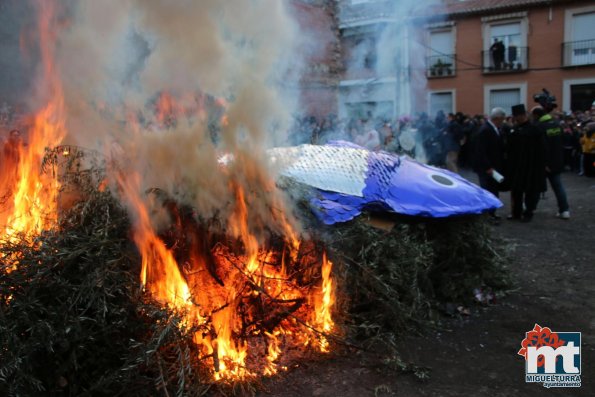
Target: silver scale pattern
x,y
332,168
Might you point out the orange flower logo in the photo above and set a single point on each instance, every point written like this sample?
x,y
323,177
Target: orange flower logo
x,y
539,337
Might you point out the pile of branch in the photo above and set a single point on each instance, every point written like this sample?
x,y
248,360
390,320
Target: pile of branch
x,y
405,279
73,321
214,262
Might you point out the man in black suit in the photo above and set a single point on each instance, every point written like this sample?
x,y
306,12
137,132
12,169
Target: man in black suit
x,y
525,163
490,153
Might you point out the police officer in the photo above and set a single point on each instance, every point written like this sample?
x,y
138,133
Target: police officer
x,y
554,156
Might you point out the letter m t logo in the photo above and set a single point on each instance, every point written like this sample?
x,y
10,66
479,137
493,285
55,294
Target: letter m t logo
x,y
549,355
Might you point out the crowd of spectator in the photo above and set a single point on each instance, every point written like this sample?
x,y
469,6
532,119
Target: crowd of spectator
x,y
445,140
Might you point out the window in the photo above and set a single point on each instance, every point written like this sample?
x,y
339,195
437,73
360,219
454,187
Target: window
x,y
582,26
504,96
370,110
441,101
363,53
505,99
509,34
505,46
579,48
581,96
441,60
578,94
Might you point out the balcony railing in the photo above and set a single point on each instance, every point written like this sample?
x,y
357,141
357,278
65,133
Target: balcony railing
x,y
577,53
514,59
440,65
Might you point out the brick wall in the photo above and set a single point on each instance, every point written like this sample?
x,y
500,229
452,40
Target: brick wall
x,y
320,51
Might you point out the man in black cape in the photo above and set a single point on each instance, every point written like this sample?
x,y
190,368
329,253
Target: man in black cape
x,y
525,154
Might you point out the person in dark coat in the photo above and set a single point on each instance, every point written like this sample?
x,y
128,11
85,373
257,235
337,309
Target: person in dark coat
x,y
490,153
525,154
554,156
453,136
497,50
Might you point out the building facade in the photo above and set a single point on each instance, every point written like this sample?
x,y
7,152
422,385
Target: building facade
x,y
388,58
486,53
378,56
318,86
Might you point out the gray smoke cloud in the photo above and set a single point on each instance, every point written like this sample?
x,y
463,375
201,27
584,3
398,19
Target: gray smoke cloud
x,y
384,48
15,71
115,56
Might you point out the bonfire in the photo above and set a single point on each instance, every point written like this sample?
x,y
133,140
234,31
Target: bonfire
x,y
167,258
249,301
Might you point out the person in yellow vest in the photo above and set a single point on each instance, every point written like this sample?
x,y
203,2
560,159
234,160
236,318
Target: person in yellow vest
x,y
588,148
554,156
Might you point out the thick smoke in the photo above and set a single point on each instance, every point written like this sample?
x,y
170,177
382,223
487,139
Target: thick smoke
x,y
15,71
117,56
387,47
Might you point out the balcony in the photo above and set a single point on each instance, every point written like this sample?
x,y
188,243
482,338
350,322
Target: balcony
x,y
514,60
440,66
578,53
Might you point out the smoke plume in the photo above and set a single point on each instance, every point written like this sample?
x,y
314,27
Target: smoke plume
x,y
382,50
118,58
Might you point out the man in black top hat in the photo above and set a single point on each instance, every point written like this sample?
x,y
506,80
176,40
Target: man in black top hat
x,y
525,165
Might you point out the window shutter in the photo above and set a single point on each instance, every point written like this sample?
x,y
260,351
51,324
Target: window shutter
x,y
505,99
583,27
441,101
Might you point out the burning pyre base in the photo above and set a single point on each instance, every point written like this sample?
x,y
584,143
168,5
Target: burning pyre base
x,y
76,320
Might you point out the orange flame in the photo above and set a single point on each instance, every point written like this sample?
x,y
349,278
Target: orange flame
x,y
159,270
326,300
225,311
168,109
33,207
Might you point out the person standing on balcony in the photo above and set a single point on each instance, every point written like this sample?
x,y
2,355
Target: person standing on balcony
x,y
497,51
554,156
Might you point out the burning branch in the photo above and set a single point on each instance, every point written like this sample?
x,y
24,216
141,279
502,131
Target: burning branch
x,y
250,292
